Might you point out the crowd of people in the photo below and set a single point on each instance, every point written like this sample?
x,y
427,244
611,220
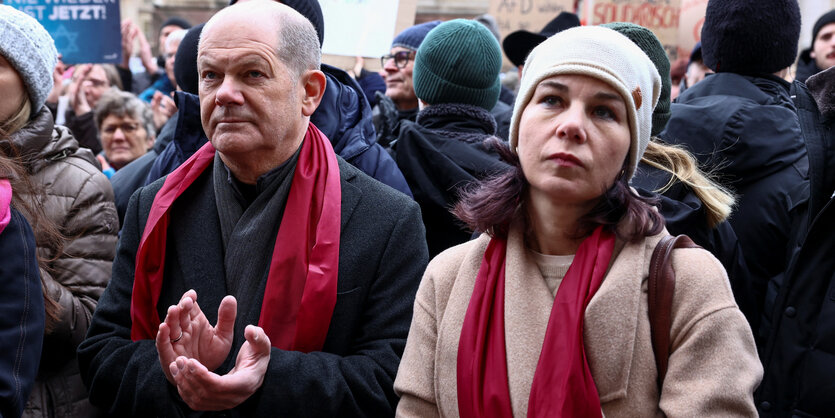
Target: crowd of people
x,y
240,229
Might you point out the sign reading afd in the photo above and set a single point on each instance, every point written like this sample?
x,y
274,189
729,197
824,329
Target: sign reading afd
x,y
85,31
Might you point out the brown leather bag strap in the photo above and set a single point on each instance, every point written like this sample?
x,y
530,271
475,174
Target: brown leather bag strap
x,y
661,287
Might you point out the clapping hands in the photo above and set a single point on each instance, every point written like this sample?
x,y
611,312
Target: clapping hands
x,y
190,350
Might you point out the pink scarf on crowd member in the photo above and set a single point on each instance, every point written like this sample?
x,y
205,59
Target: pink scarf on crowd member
x,y
5,204
300,292
562,385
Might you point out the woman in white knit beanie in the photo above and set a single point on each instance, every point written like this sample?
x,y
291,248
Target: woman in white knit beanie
x,y
546,314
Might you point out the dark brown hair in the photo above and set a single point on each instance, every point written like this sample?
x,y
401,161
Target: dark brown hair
x,y
489,205
27,199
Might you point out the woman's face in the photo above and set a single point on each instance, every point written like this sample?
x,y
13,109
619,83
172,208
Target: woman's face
x,y
123,139
14,92
573,139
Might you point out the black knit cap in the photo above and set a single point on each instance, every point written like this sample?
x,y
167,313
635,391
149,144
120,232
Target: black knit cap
x,y
309,9
176,21
519,44
824,20
185,63
751,37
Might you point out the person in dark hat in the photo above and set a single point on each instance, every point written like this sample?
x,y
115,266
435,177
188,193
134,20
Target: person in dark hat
x,y
519,44
690,201
696,69
821,55
399,101
169,26
742,123
456,77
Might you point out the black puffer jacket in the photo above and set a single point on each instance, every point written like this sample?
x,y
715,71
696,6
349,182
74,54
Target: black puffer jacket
x,y
799,357
685,214
746,129
439,154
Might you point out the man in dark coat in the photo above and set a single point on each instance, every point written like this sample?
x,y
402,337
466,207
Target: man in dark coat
x,y
798,356
821,55
741,123
330,285
444,149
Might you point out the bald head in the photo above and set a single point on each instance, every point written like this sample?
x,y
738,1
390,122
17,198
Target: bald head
x,y
295,41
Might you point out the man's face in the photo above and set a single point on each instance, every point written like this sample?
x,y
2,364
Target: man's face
x,y
823,48
170,55
250,102
163,35
696,72
399,85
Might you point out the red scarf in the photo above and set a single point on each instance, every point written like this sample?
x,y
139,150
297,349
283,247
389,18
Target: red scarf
x,y
562,385
301,286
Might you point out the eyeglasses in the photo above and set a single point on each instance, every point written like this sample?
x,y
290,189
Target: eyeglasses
x,y
400,58
127,128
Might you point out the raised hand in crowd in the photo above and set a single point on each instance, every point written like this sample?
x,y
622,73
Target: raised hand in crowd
x,y
57,81
75,91
163,108
131,34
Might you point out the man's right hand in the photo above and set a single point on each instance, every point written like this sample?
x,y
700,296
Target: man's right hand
x,y
186,332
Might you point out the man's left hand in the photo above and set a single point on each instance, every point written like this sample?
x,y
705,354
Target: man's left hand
x,y
203,390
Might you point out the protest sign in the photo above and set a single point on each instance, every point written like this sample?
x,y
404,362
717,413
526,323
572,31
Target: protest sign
x,y
690,25
85,31
406,10
530,15
358,27
659,16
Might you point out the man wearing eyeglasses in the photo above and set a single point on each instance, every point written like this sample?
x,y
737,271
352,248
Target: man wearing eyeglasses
x,y
400,101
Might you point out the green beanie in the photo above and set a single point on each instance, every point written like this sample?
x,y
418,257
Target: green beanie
x,y
651,46
458,62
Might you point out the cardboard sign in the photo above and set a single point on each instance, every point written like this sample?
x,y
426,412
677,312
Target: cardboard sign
x,y
85,31
358,27
690,25
659,16
530,15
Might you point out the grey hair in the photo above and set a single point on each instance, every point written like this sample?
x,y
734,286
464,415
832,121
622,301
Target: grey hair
x,y
176,36
298,44
121,103
112,75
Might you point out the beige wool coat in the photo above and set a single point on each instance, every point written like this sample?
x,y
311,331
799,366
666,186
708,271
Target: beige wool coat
x,y
713,364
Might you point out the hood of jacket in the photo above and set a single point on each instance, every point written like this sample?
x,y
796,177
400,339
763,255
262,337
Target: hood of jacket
x,y
188,129
40,142
806,66
746,127
344,115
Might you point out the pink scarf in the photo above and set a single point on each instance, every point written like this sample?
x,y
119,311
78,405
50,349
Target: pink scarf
x,y
5,202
